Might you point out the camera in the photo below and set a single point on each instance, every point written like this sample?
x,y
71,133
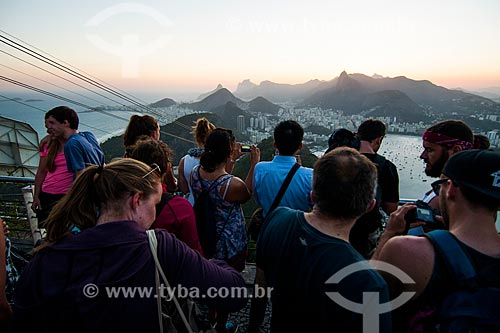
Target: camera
x,y
423,213
420,214
245,149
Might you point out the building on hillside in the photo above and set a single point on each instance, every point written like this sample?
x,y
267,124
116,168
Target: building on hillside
x,y
240,123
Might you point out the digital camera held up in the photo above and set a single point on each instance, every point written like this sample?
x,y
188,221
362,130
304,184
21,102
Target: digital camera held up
x,y
245,149
423,213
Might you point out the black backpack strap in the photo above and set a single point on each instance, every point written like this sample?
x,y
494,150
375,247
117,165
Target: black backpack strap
x,y
197,169
457,261
215,183
284,186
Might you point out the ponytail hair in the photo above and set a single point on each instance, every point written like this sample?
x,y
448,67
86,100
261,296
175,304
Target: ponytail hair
x,y
201,130
137,126
53,147
217,149
96,189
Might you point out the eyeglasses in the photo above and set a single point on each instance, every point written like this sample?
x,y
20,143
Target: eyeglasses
x,y
154,167
436,186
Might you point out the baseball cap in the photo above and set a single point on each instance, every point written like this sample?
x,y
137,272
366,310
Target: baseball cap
x,y
476,169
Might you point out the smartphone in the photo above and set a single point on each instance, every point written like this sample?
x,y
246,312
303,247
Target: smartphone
x,y
245,149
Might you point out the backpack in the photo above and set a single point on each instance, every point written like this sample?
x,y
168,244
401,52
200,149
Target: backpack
x,y
470,307
206,221
368,228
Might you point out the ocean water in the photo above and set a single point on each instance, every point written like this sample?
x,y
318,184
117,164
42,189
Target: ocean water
x,y
404,151
103,126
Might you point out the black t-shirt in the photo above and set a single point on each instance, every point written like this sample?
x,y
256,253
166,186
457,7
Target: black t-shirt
x,y
388,178
298,260
387,191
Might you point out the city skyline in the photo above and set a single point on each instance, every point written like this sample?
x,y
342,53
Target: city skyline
x,y
182,49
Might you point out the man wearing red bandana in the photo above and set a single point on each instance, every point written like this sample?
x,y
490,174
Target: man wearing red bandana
x,y
441,141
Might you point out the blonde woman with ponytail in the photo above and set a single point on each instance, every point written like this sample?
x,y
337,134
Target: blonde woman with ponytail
x,y
201,130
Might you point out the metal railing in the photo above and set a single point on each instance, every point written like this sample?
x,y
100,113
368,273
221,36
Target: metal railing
x,y
15,207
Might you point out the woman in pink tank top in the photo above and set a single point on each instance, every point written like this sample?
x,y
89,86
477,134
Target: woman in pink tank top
x,y
52,179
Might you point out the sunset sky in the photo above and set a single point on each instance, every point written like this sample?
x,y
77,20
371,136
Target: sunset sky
x,y
180,49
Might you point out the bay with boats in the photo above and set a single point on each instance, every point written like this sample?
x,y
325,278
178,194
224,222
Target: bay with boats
x,y
403,150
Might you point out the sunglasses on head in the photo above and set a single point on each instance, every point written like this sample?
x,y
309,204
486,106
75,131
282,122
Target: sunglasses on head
x,y
154,167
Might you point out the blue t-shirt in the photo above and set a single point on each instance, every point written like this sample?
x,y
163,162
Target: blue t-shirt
x,y
82,150
298,260
268,178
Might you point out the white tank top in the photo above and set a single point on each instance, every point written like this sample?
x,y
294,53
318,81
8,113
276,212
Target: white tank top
x,y
429,196
189,163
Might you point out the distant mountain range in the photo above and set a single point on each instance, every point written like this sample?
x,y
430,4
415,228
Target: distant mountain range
x,y
277,92
221,97
216,99
205,95
406,99
164,103
492,93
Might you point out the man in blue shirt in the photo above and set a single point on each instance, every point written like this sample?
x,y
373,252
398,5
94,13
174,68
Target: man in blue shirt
x,y
269,176
81,148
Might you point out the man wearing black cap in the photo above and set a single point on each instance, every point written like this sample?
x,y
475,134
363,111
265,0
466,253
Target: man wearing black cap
x,y
469,196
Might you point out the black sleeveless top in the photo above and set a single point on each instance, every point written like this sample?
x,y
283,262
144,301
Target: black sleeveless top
x,y
443,282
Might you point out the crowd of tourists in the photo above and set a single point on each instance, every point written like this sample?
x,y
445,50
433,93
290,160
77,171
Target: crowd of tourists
x,y
333,244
